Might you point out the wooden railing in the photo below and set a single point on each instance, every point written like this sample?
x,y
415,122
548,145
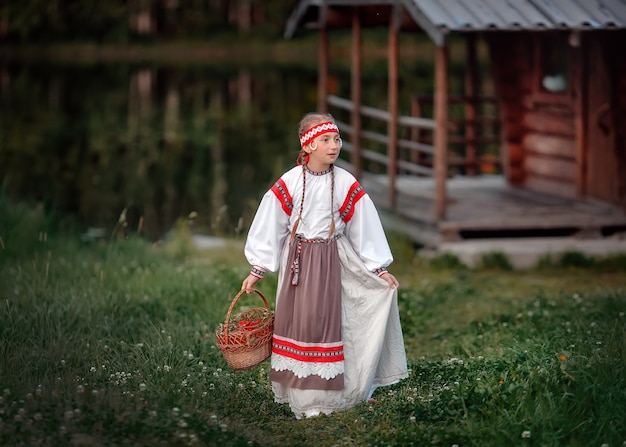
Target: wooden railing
x,y
415,147
474,126
406,164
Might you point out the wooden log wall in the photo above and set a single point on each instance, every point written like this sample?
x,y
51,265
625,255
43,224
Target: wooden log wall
x,y
538,147
621,126
510,61
618,56
605,119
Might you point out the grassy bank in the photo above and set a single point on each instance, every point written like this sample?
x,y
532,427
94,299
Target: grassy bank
x,y
111,343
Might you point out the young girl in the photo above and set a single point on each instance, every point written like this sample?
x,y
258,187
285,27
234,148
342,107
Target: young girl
x,y
337,334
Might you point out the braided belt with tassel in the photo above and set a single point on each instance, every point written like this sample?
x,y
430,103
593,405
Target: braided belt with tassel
x,y
295,265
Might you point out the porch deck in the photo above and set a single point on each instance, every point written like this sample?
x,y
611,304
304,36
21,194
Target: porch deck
x,y
485,207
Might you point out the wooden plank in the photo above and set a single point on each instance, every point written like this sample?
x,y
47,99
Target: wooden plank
x,y
441,133
603,170
579,83
457,99
481,203
415,168
382,115
392,91
476,121
515,155
323,64
415,132
557,168
547,123
355,92
471,113
384,160
416,146
550,145
461,140
573,221
384,139
549,186
417,122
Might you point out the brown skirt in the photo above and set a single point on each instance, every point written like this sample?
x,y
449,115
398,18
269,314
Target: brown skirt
x,y
371,337
307,351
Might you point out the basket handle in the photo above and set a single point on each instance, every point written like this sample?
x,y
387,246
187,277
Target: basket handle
x,y
232,306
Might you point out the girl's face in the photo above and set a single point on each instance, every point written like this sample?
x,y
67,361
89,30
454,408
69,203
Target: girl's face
x,y
327,152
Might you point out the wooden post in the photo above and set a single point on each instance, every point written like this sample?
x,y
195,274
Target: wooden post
x,y
392,127
579,80
416,132
322,62
470,104
441,131
355,93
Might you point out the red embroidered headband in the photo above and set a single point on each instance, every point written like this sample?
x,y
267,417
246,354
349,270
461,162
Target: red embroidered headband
x,y
317,130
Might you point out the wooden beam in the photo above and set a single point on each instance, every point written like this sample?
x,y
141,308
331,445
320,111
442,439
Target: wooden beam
x,y
441,132
549,123
322,63
580,112
556,168
471,87
355,93
392,100
383,115
416,132
550,145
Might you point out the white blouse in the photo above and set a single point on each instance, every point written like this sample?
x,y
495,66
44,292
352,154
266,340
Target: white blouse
x,y
354,213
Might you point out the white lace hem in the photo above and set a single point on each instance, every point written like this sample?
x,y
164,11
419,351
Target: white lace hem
x,y
326,370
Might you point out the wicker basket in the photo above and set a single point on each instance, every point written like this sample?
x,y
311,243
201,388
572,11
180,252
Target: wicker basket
x,y
245,340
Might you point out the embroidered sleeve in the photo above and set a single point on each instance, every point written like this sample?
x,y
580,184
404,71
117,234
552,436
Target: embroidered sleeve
x,y
381,271
282,194
268,231
257,271
355,193
367,236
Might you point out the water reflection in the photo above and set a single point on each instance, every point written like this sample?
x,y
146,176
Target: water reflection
x,y
160,142
91,139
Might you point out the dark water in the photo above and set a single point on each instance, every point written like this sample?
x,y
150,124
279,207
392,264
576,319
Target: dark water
x,y
89,140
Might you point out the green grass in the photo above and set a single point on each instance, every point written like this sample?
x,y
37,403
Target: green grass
x,y
112,344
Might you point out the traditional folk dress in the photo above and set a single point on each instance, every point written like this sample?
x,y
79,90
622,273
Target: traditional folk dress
x,y
337,334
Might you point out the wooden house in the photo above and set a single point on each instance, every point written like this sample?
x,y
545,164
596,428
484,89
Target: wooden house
x,y
558,77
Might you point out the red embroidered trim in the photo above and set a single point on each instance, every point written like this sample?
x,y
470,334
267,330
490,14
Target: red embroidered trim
x,y
282,194
317,130
307,353
381,271
257,271
354,195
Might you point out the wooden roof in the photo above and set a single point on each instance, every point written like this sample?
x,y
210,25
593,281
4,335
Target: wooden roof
x,y
440,17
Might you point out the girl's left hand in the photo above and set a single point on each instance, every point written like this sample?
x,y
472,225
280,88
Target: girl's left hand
x,y
249,283
391,280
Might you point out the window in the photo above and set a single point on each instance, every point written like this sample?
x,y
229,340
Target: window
x,y
553,57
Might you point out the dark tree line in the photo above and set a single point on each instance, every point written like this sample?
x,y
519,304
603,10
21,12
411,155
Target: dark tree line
x,y
126,21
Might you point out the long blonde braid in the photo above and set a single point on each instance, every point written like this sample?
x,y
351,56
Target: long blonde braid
x,y
295,225
332,202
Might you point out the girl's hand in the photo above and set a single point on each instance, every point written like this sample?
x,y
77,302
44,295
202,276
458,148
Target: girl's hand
x,y
391,280
249,283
